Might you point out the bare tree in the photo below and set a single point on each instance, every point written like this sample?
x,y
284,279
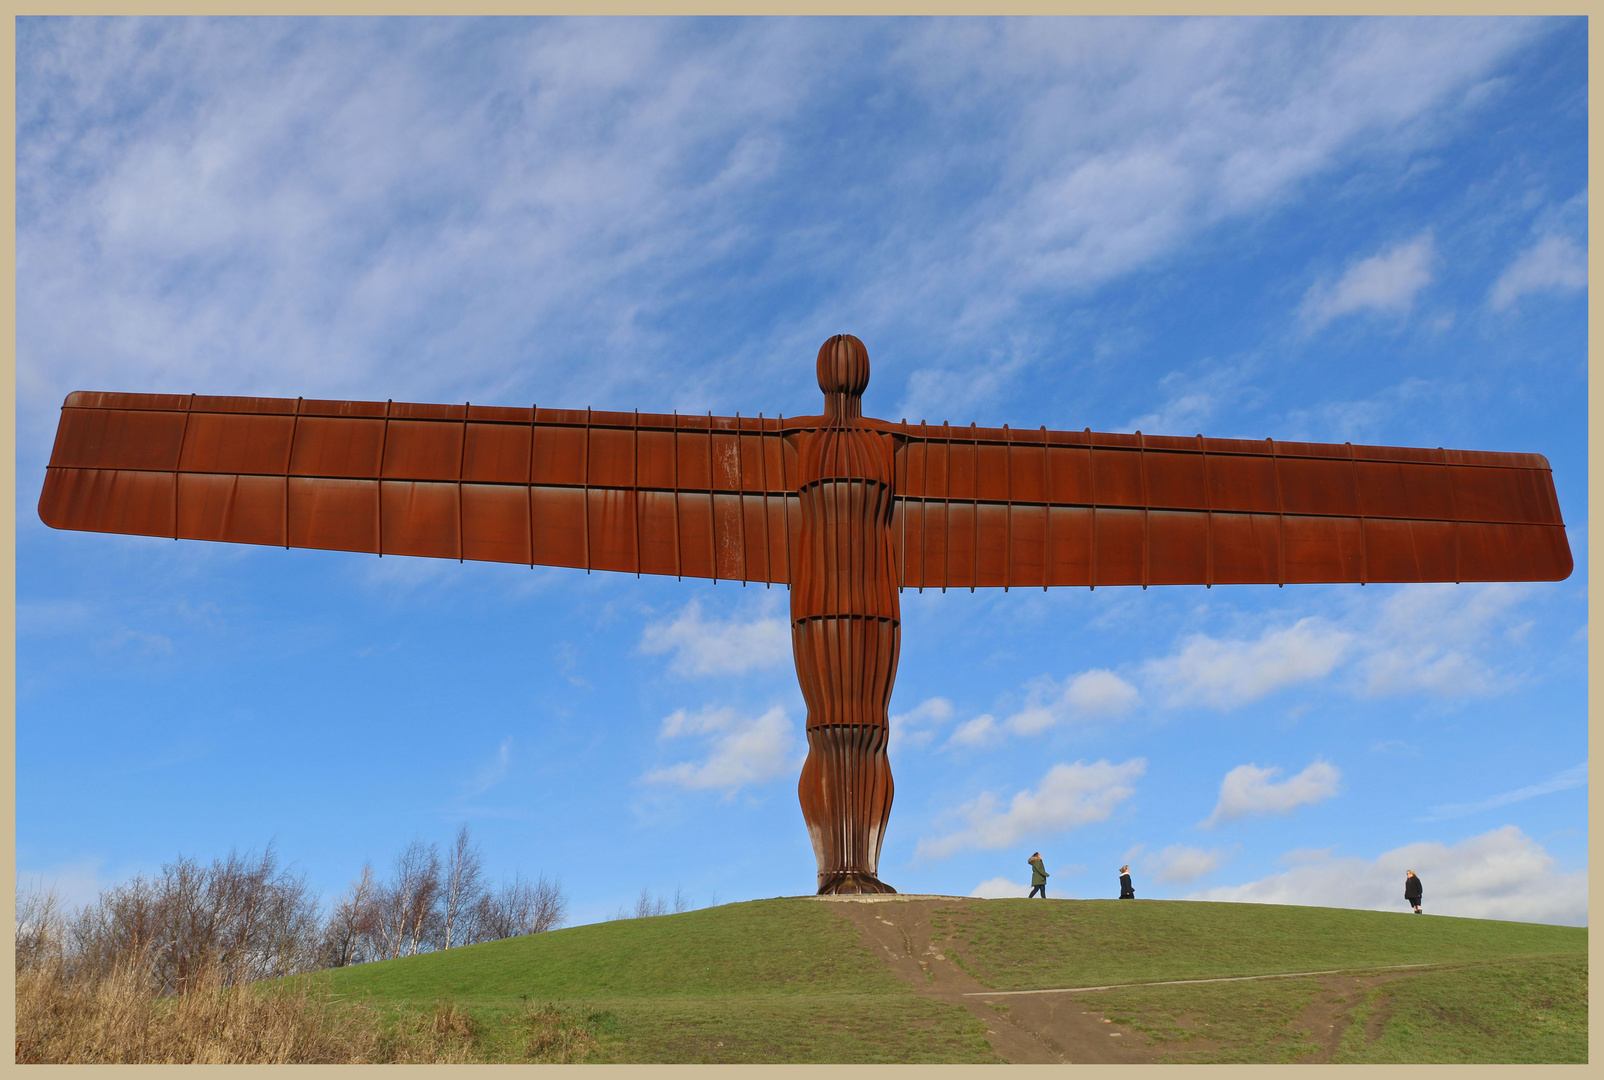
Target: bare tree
x,y
348,936
548,908
681,901
463,887
409,903
521,907
646,907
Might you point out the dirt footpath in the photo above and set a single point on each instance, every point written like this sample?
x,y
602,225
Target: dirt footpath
x,y
1051,1028
1027,1029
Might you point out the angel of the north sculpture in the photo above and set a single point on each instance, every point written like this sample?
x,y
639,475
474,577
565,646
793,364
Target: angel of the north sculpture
x,y
848,511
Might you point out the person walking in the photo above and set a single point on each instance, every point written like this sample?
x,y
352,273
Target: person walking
x,y
1413,890
1038,876
1127,891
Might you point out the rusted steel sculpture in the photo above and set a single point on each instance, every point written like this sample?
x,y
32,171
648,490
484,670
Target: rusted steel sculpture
x,y
846,510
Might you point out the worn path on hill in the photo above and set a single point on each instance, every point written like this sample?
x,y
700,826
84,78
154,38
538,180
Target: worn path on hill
x,y
1047,1028
1038,1029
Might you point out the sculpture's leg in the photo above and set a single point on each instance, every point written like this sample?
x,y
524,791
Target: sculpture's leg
x,y
846,799
846,666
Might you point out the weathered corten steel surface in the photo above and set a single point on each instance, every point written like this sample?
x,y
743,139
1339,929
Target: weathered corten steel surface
x,y
847,510
846,627
717,497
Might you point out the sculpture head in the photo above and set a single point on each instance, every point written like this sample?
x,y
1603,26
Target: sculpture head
x,y
843,376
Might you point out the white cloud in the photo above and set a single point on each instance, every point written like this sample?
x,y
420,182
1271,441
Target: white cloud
x,y
1439,638
1248,790
1574,777
918,725
1503,874
1227,673
981,730
718,647
1096,694
1386,282
741,751
1553,264
1099,692
998,888
1180,864
1068,796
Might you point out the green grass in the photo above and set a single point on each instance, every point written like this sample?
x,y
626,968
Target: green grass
x,y
764,947
1511,1011
1030,945
1246,1022
1523,1011
791,981
767,981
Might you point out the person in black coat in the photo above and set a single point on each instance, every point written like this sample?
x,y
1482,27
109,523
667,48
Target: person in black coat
x,y
1413,890
1126,890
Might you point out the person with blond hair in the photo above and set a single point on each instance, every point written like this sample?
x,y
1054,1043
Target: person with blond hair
x,y
1038,876
1413,890
1127,891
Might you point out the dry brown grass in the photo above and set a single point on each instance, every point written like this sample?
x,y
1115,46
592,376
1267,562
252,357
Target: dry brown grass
x,y
117,1018
557,1036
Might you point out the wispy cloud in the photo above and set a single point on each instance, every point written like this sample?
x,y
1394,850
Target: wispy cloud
x,y
75,884
290,207
1067,797
1192,399
492,772
1360,420
741,751
1442,639
1503,874
1553,264
704,646
1248,791
1386,282
1574,777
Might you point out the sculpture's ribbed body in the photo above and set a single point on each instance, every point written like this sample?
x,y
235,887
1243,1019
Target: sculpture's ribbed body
x,y
846,627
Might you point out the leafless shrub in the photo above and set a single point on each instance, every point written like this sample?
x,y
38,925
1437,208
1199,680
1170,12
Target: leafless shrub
x,y
241,919
41,927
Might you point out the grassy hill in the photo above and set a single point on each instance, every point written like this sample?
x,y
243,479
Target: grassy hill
x,y
794,980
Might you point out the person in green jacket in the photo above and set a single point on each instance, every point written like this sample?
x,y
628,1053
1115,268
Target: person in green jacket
x,y
1038,876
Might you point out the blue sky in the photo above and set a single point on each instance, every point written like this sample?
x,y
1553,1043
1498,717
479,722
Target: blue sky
x,y
1307,229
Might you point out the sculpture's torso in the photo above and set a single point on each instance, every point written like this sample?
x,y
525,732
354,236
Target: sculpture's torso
x,y
845,627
